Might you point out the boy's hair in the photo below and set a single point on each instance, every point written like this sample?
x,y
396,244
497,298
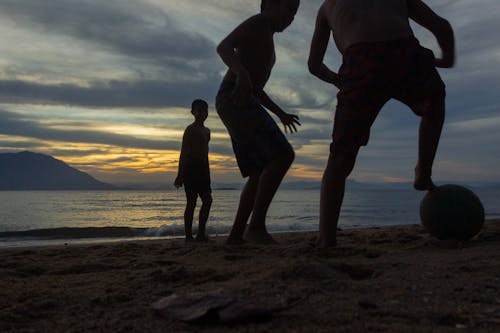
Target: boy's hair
x,y
198,102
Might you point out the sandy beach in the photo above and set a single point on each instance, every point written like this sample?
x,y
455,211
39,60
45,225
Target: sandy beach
x,y
396,279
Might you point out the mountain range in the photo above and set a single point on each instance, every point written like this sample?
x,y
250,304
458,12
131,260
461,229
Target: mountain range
x,y
33,171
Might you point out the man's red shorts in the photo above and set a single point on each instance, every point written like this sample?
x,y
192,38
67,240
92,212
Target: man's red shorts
x,y
373,73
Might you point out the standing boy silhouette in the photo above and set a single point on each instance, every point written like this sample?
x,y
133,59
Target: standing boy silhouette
x,y
194,171
262,151
381,60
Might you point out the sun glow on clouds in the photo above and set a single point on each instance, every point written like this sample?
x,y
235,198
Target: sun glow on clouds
x,y
111,160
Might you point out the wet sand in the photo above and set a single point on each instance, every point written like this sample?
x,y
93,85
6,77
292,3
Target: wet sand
x,y
396,279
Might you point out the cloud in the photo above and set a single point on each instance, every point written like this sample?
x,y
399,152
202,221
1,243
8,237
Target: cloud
x,y
166,65
108,94
133,28
12,124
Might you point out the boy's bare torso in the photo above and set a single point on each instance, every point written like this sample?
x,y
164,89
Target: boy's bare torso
x,y
197,141
355,21
256,52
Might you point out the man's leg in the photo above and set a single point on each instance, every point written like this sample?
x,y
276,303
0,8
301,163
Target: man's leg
x,y
188,214
332,194
269,181
206,199
247,199
428,140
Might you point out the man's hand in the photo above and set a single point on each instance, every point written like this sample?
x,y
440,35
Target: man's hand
x,y
289,121
179,181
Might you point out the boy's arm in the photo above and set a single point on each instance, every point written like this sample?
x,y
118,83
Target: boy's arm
x,y
227,51
319,45
179,180
441,28
289,120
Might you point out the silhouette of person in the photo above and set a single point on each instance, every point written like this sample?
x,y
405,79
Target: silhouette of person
x,y
262,151
194,171
381,60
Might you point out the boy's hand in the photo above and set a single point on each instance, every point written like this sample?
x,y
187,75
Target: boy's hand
x,y
243,90
289,121
179,181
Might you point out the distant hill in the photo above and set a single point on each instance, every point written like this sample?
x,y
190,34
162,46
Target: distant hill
x,y
33,171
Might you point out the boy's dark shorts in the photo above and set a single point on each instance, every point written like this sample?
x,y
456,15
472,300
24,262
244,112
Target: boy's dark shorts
x,y
256,138
373,73
197,177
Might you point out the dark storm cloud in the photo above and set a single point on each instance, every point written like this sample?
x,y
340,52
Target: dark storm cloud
x,y
132,28
110,94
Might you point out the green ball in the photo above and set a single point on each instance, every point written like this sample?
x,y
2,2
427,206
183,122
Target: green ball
x,y
452,212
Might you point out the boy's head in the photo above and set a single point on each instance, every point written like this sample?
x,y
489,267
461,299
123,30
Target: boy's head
x,y
199,109
281,12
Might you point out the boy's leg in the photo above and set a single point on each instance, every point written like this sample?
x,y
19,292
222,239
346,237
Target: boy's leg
x,y
332,194
431,125
188,214
269,181
206,199
247,199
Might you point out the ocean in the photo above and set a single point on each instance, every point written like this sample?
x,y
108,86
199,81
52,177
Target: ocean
x,y
34,218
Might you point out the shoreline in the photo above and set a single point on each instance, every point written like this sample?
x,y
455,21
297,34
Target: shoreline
x,y
64,242
393,278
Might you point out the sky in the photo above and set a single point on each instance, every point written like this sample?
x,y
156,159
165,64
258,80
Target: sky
x,y
106,86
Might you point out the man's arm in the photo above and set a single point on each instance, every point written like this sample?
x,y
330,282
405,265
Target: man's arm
x,y
441,28
289,120
317,52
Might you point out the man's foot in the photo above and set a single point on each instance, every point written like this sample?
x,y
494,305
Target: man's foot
x,y
423,181
259,236
189,239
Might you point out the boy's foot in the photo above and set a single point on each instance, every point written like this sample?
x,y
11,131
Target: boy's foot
x,y
259,237
423,181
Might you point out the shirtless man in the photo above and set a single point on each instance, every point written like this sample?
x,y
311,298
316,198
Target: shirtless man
x,y
381,60
262,151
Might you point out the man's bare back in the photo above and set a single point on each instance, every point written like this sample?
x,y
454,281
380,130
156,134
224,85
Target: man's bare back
x,y
256,52
355,21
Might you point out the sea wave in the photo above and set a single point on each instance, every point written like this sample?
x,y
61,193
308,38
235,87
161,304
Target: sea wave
x,y
171,230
